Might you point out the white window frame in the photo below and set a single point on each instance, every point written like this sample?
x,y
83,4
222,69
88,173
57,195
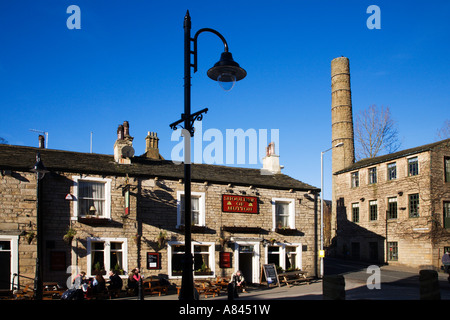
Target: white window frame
x,y
201,214
107,250
107,183
291,219
14,250
298,252
211,258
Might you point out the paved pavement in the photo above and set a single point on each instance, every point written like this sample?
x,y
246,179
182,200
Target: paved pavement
x,y
397,283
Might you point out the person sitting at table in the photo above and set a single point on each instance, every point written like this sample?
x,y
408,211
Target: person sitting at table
x,y
115,281
79,280
98,284
133,280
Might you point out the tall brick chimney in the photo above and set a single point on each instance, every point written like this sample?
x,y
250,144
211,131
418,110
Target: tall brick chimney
x,y
341,128
341,115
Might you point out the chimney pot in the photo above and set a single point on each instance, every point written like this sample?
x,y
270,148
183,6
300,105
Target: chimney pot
x,y
41,142
120,132
126,129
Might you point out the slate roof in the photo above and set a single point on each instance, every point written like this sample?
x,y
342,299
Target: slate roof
x,y
392,156
19,158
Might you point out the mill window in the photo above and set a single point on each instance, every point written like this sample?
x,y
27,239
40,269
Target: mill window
x,y
413,166
372,175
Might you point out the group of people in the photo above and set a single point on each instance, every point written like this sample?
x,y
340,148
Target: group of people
x,y
89,288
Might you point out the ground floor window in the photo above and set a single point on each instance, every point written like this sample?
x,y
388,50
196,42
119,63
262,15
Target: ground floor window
x,y
203,259
285,257
392,251
106,254
291,255
273,255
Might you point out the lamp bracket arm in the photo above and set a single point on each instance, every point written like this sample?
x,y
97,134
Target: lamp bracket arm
x,y
193,117
225,44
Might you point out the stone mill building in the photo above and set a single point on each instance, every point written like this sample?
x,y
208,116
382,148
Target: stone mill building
x,y
393,208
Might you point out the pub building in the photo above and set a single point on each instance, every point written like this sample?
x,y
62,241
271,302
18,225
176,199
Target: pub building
x,y
102,212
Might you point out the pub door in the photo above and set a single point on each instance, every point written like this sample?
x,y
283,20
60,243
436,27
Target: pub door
x,y
247,260
5,265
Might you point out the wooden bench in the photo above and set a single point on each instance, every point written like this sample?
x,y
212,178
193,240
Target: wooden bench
x,y
222,283
207,288
52,291
25,293
151,286
293,277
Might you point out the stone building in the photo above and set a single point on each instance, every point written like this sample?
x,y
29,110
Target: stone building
x,y
122,211
393,208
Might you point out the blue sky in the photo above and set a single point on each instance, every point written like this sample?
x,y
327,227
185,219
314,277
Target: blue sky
x,y
126,63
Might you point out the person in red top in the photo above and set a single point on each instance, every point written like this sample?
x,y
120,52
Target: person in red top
x,y
136,274
133,280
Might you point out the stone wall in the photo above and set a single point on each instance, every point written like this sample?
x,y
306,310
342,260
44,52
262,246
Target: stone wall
x,y
403,229
153,210
420,239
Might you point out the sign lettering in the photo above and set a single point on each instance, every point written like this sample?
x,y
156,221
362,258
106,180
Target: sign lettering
x,y
239,204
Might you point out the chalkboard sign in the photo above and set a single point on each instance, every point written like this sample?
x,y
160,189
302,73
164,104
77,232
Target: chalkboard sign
x,y
270,273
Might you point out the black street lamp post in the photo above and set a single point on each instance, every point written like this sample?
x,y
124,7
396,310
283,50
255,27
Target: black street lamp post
x,y
226,72
40,171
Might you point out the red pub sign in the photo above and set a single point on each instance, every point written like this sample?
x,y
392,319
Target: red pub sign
x,y
239,204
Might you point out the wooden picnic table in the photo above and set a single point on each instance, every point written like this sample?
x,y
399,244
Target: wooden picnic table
x,y
52,291
222,283
153,285
207,288
296,276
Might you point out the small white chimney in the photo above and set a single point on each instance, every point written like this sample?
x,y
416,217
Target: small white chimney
x,y
271,162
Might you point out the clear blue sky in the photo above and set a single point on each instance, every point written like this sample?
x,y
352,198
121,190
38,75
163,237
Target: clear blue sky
x,y
126,63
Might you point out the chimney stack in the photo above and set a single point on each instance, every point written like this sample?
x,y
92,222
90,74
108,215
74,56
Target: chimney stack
x,y
341,115
152,146
41,142
271,162
123,140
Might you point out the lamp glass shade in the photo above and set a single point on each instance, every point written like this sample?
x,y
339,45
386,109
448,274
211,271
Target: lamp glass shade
x,y
226,71
226,81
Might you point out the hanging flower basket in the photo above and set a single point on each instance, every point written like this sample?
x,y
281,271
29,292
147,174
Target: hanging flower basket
x,y
30,236
70,234
161,238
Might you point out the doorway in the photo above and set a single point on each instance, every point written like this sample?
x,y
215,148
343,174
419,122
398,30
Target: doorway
x,y
8,261
247,260
5,265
